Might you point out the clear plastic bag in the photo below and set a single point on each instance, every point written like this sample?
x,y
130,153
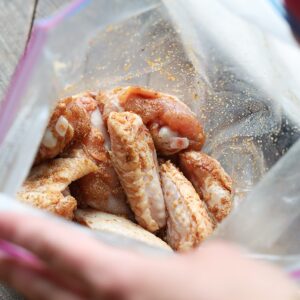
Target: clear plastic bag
x,y
228,71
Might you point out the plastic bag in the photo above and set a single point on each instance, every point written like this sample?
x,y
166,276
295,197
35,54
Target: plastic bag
x,y
225,69
268,222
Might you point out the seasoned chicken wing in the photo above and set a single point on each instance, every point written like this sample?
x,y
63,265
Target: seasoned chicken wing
x,y
77,123
70,122
188,221
210,180
172,124
101,221
101,189
134,159
47,184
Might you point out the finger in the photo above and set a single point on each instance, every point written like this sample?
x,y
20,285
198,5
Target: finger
x,y
39,267
50,240
32,284
13,272
70,251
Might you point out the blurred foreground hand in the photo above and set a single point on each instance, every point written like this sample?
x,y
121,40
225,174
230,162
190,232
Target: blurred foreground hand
x,y
71,265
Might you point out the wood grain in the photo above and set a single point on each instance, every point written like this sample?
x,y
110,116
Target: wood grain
x,y
15,20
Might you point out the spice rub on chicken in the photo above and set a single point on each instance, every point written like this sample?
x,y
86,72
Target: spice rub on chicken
x,y
134,159
114,158
172,124
47,184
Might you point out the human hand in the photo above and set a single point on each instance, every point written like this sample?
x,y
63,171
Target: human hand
x,y
71,265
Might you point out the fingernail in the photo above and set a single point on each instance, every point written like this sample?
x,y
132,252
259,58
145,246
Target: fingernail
x,y
8,249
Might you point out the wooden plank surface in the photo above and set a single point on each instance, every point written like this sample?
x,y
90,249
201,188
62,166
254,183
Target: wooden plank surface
x,y
15,22
16,19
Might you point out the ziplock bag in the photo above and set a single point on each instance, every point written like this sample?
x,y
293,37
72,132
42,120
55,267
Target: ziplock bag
x,y
229,72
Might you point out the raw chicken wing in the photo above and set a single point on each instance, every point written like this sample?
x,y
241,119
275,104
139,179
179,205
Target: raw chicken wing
x,y
101,189
210,180
134,158
70,122
172,124
47,184
104,222
188,221
77,123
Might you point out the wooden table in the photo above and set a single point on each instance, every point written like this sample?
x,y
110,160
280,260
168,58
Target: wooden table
x,y
16,20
